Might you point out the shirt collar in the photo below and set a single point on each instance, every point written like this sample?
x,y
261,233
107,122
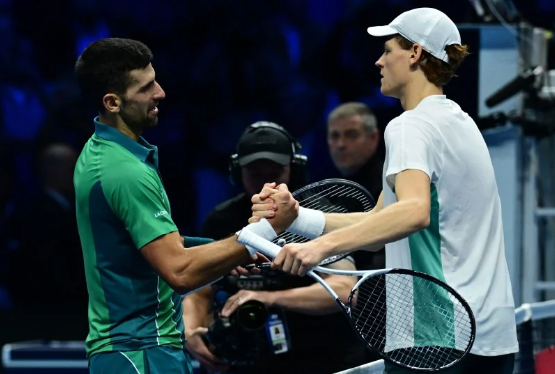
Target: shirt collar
x,y
142,149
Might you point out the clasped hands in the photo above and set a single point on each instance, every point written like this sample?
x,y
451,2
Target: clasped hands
x,y
279,207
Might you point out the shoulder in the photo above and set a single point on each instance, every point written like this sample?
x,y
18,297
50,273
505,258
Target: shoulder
x,y
413,123
127,175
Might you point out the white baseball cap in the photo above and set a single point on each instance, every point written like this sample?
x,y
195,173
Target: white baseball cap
x,y
429,27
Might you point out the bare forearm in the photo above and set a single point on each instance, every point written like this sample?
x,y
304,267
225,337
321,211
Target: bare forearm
x,y
335,221
314,299
393,223
203,264
196,308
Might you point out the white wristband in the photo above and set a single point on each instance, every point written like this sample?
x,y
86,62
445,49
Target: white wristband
x,y
310,223
262,228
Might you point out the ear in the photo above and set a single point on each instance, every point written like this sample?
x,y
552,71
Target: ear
x,y
376,136
416,53
112,102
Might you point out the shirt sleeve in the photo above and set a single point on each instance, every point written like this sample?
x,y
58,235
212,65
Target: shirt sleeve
x,y
191,241
411,145
140,202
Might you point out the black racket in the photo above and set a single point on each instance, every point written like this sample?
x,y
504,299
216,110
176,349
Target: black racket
x,y
409,318
329,196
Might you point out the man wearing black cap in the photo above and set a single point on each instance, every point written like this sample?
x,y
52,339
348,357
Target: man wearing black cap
x,y
265,152
319,339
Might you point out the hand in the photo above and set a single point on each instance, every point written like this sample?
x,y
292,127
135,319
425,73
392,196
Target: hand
x,y
262,203
280,212
197,347
298,258
259,258
241,297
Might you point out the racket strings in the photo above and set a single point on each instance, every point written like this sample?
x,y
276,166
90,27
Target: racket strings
x,y
411,320
315,194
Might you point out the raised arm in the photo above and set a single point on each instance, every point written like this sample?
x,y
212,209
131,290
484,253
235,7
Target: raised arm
x,y
271,203
409,214
335,221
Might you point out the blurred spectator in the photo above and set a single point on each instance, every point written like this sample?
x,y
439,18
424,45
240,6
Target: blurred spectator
x,y
353,139
49,251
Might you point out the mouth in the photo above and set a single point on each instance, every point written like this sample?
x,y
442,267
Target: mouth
x,y
154,110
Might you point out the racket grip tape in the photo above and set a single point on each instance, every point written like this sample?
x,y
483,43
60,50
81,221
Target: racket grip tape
x,y
262,229
252,240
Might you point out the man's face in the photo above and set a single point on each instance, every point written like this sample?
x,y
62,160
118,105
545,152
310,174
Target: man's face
x,y
139,105
394,65
350,144
258,172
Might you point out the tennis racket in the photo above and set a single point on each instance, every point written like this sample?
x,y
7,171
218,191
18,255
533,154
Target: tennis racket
x,y
409,318
330,196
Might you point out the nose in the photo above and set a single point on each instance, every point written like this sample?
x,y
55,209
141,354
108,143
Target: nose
x,y
160,94
379,63
340,142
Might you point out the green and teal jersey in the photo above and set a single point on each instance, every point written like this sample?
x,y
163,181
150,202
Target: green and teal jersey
x,y
121,206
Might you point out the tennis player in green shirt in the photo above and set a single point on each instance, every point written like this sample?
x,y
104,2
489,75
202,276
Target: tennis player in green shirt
x,y
137,265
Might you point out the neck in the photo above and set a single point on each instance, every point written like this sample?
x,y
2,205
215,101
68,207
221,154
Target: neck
x,y
417,91
118,123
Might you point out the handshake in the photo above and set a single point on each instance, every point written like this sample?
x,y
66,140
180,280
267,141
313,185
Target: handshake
x,y
275,210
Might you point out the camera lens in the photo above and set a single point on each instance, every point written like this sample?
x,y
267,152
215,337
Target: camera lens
x,y
252,315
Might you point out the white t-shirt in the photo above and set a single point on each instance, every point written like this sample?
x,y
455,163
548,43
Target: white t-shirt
x,y
463,245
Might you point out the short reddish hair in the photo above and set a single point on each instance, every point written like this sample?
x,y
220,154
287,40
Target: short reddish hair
x,y
437,71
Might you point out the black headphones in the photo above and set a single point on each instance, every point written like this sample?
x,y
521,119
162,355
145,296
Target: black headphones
x,y
299,163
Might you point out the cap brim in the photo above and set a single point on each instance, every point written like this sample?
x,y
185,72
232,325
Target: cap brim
x,y
381,31
278,158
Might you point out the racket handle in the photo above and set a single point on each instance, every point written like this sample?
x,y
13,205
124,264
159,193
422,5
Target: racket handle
x,y
262,245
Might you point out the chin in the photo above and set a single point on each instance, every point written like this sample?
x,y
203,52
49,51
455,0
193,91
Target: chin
x,y
388,92
152,123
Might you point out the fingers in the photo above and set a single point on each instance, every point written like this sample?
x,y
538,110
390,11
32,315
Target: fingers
x,y
264,214
199,349
233,303
295,266
254,219
293,259
261,258
266,191
239,270
283,187
268,205
260,198
278,261
302,271
288,262
200,331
